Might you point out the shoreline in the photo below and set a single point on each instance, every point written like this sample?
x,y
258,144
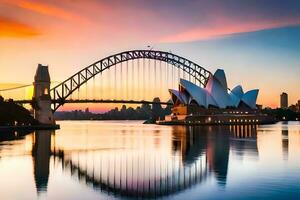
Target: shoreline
x,y
30,127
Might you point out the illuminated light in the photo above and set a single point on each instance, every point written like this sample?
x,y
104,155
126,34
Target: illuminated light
x,y
241,120
230,120
257,120
46,92
237,120
209,119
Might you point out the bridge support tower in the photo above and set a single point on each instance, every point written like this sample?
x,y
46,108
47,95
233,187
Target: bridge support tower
x,y
41,95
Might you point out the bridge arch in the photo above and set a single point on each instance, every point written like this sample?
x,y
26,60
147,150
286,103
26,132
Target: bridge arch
x,y
62,91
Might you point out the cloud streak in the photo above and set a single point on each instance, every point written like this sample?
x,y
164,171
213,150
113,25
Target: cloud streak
x,y
226,27
15,29
47,9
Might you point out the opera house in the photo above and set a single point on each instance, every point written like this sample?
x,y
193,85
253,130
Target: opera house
x,y
214,104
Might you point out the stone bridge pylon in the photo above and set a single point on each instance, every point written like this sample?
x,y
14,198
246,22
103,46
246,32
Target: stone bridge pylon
x,y
41,95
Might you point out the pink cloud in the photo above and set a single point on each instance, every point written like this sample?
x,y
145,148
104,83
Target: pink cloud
x,y
223,27
47,9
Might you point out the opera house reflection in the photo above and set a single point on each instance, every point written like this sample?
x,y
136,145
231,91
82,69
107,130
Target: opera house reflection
x,y
194,155
285,140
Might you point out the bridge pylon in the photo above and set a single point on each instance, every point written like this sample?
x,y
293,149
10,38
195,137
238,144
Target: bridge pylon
x,y
41,95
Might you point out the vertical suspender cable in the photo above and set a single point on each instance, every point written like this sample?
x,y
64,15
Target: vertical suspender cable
x,y
78,87
189,73
167,74
115,82
93,87
121,81
138,79
127,75
143,92
178,78
160,81
86,94
148,78
111,82
172,75
154,85
132,82
101,85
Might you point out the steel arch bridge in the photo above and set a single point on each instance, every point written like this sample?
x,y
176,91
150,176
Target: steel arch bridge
x,y
62,91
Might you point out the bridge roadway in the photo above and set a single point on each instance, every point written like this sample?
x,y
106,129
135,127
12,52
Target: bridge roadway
x,y
98,101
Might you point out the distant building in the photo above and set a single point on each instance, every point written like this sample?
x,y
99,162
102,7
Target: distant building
x,y
284,100
296,107
259,107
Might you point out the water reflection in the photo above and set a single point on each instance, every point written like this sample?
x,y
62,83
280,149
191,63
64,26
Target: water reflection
x,y
243,140
41,152
144,161
13,135
196,153
285,140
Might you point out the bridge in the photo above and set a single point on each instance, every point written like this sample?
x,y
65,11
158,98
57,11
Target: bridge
x,y
130,77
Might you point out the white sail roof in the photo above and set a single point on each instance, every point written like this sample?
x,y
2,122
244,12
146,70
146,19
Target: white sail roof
x,y
238,91
218,92
235,100
214,94
220,76
250,98
176,95
196,93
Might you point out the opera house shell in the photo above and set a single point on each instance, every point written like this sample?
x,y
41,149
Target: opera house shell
x,y
214,95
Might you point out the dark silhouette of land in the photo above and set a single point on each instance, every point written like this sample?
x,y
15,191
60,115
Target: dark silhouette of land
x,y
281,114
12,114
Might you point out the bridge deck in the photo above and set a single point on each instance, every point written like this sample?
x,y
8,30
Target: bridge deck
x,y
99,101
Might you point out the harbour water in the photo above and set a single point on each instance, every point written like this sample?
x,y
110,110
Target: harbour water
x,y
128,159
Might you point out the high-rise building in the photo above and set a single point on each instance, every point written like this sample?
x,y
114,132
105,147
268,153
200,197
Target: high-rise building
x,y
298,106
284,100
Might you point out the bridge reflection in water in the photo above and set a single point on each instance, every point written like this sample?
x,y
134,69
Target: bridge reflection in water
x,y
197,154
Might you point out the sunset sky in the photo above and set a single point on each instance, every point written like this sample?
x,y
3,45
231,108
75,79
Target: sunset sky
x,y
257,43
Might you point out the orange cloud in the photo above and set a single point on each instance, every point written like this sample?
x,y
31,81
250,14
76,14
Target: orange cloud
x,y
12,28
47,9
224,27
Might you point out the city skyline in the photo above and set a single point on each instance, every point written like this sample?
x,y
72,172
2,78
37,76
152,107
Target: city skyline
x,y
257,44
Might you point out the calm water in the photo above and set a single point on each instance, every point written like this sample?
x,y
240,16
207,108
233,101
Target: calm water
x,y
126,159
